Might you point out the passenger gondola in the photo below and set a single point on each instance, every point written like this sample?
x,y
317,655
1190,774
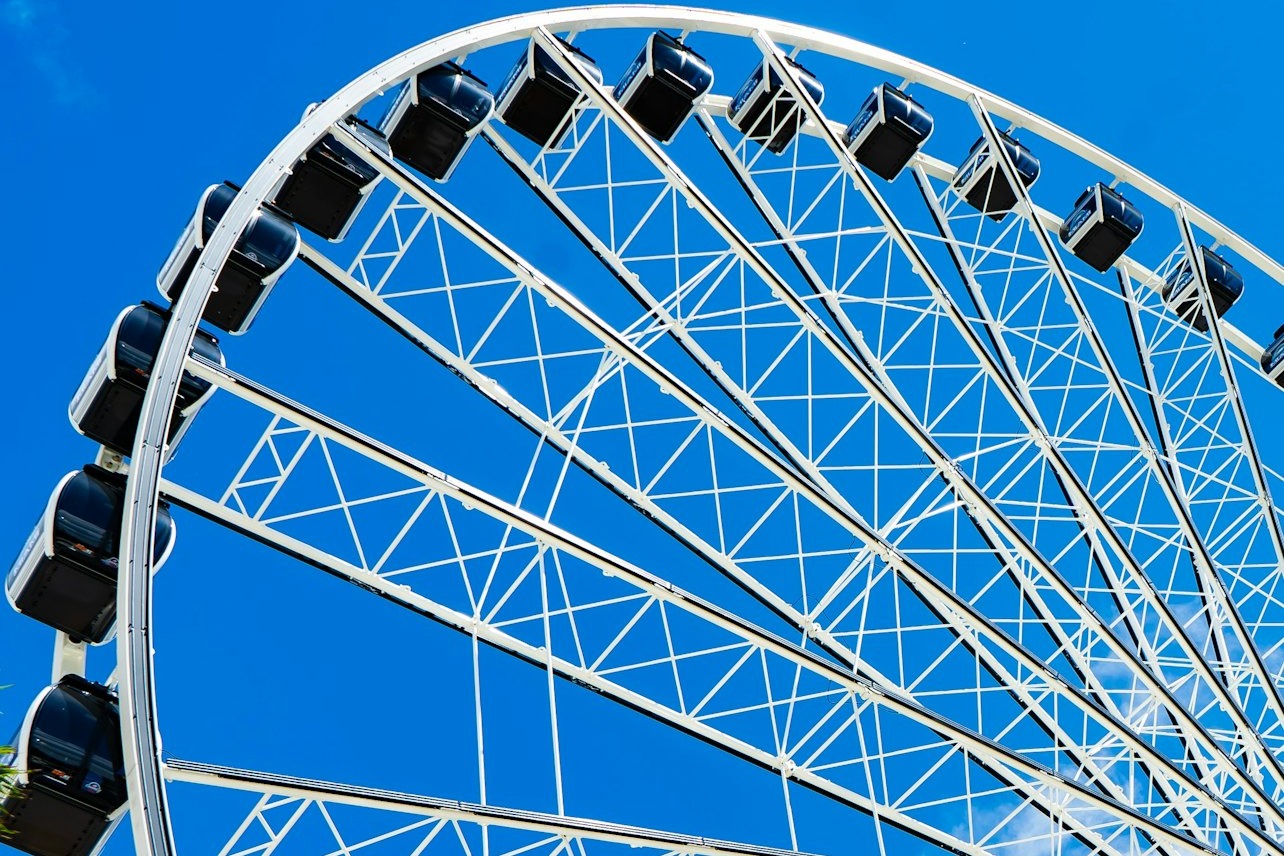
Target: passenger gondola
x,y
539,99
326,189
1273,358
981,182
765,112
434,117
1101,227
660,89
109,401
265,249
1225,285
65,575
889,130
69,784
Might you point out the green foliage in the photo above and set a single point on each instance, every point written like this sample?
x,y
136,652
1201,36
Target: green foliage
x,y
6,782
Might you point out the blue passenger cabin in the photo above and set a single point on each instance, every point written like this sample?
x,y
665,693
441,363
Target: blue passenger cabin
x,y
327,187
539,100
65,575
981,182
1101,227
107,406
1273,358
434,117
262,253
764,110
889,130
662,86
70,780
1180,291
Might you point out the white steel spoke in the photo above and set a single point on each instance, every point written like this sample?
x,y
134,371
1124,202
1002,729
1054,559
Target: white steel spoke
x,y
301,795
848,493
711,366
552,293
825,766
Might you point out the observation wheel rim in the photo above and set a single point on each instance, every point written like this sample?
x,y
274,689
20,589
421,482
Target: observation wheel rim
x,y
152,829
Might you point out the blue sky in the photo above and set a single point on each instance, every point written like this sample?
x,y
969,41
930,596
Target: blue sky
x,y
119,116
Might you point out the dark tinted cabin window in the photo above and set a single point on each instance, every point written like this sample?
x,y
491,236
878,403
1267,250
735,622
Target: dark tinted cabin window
x,y
1178,277
269,241
1220,273
76,738
164,532
1086,200
895,105
63,732
1130,216
438,84
918,118
1274,355
88,513
812,85
138,341
215,207
472,100
742,97
809,82
207,348
1026,163
346,156
547,64
1234,283
452,88
667,54
1120,210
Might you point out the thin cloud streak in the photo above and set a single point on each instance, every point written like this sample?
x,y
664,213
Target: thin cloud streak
x,y
39,34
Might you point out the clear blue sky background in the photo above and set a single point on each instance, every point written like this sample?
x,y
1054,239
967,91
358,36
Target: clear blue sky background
x,y
119,114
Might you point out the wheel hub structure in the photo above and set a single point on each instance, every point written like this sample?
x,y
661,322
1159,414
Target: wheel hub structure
x,y
709,496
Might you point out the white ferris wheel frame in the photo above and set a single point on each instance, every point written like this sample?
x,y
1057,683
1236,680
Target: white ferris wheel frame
x,y
145,771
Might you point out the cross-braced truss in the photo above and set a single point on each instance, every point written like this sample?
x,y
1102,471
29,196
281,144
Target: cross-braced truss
x,y
943,549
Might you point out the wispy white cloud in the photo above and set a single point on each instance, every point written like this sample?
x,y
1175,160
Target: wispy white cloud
x,y
39,34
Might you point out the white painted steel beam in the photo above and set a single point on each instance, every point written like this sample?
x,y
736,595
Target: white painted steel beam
x,y
961,616
1213,586
151,823
1040,786
562,826
829,131
887,399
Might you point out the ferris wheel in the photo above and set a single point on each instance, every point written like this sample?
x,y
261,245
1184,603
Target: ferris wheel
x,y
714,436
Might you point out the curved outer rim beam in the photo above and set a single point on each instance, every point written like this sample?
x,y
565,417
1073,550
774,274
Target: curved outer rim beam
x,y
999,760
959,613
889,401
177,770
1019,398
1232,386
141,734
1211,583
825,129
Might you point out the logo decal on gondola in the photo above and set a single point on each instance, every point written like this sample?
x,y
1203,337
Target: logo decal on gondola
x,y
93,787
